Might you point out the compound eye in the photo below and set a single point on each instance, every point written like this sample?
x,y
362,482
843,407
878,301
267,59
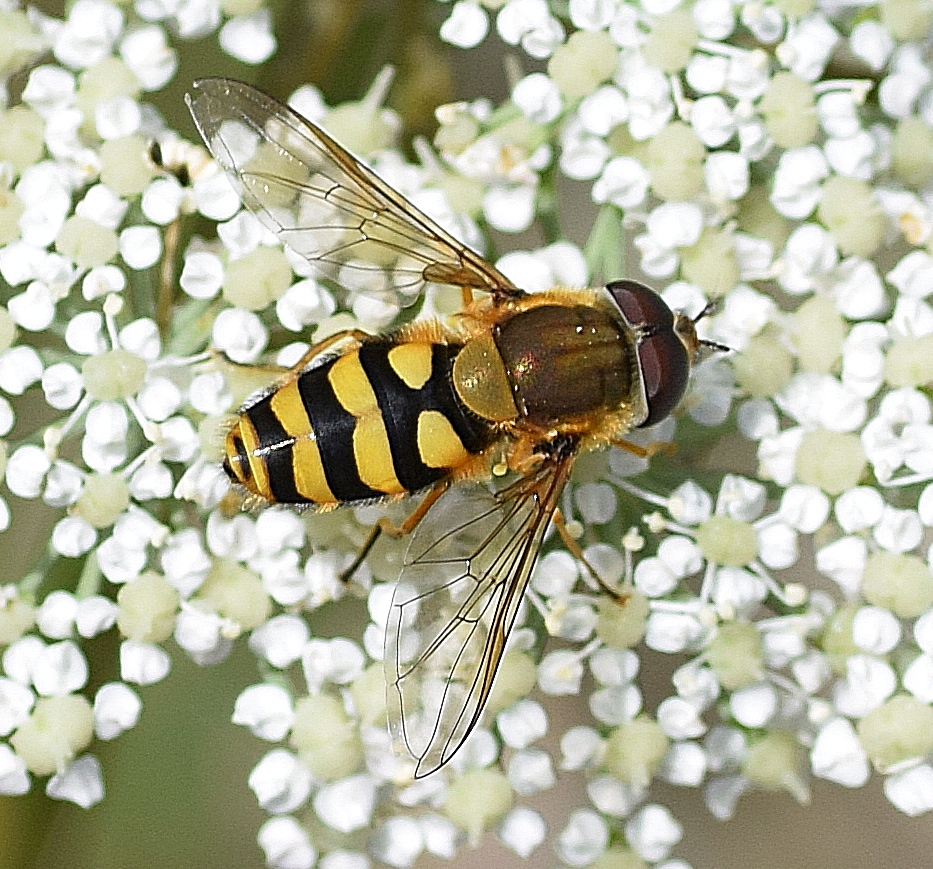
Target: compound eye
x,y
662,357
641,306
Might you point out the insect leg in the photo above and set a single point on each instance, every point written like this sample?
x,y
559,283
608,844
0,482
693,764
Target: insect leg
x,y
647,451
317,349
577,552
279,373
384,526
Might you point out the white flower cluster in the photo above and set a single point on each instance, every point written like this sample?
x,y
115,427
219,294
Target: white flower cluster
x,y
747,167
775,156
86,219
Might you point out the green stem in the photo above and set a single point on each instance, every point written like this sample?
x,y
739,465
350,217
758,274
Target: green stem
x,y
548,212
89,580
604,251
30,584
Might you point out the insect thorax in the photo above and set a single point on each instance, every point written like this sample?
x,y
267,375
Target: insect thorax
x,y
565,363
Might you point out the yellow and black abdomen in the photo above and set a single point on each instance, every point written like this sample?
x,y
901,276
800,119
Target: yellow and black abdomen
x,y
382,419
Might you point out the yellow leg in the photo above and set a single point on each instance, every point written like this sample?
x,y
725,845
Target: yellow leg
x,y
271,372
356,335
647,451
385,526
575,550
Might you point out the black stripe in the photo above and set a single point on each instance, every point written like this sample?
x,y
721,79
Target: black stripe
x,y
242,458
333,427
401,406
400,409
275,449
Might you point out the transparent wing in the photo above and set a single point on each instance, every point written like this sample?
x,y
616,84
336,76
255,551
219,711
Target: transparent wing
x,y
454,605
324,203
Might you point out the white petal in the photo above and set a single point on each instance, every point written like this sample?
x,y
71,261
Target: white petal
x,y
522,830
143,663
82,782
911,791
348,804
653,832
280,781
116,708
837,754
286,844
266,710
522,724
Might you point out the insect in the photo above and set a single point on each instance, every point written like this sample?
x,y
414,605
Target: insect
x,y
184,161
516,381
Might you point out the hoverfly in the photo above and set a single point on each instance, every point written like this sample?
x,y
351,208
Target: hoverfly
x,y
515,381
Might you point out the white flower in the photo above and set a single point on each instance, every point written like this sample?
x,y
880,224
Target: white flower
x,y
81,782
911,790
280,782
579,746
143,663
797,181
240,335
560,672
249,37
872,42
348,804
867,684
652,832
669,226
280,640
680,719
116,708
267,711
612,797
808,46
530,771
14,779
754,705
398,842
338,660
530,23
583,839
59,669
685,764
623,182
523,830
467,25
522,724
16,702
88,34
837,754
286,844
140,246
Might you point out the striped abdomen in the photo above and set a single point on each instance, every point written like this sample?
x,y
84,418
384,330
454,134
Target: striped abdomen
x,y
382,419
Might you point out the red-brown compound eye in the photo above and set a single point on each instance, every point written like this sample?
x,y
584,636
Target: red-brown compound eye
x,y
662,356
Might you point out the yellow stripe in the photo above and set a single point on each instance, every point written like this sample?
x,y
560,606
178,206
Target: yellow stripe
x,y
308,468
374,456
351,385
412,362
290,411
438,443
256,463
